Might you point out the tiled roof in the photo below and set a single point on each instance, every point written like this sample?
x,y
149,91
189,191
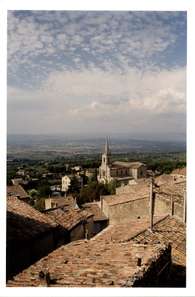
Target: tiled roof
x,y
17,191
94,208
134,192
168,230
68,218
90,264
25,222
179,171
123,232
68,202
163,179
176,190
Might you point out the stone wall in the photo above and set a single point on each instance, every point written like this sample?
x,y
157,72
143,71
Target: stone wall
x,y
178,210
162,206
123,212
78,232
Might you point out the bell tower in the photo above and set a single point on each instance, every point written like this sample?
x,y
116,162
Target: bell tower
x,y
104,170
106,154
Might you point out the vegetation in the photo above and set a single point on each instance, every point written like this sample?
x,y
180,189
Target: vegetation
x,y
93,190
42,174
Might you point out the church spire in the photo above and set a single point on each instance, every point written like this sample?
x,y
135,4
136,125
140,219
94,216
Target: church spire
x,y
107,150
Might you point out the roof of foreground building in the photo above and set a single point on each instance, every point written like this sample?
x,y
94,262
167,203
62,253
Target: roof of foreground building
x,y
24,222
91,264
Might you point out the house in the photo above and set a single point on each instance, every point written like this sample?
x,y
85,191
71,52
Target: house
x,y
78,223
100,221
67,180
55,202
129,202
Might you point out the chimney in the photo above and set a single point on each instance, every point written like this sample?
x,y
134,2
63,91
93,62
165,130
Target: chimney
x,y
151,205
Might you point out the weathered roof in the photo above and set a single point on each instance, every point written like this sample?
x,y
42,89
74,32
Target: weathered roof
x,y
17,191
135,192
25,222
94,208
163,179
168,230
68,202
68,218
91,264
176,190
179,171
123,232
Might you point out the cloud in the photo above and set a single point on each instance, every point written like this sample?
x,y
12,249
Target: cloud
x,y
90,70
90,97
74,40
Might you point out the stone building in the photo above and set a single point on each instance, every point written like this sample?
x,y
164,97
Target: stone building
x,y
100,221
121,172
78,223
133,200
61,201
66,182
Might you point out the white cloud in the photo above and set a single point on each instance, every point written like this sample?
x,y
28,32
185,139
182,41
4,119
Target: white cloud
x,y
125,37
95,96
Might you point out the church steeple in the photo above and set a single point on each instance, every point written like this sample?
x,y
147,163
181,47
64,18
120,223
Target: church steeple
x,y
107,150
104,170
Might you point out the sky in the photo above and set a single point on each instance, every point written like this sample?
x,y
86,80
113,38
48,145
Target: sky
x,y
97,73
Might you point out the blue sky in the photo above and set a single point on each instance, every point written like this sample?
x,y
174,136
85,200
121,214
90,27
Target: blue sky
x,y
97,72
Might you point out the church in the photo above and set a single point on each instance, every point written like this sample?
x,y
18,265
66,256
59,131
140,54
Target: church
x,y
121,172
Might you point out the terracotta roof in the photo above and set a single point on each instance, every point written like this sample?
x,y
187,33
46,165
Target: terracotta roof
x,y
68,218
91,264
17,191
123,232
176,190
94,208
179,171
168,230
163,179
68,202
135,192
25,222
